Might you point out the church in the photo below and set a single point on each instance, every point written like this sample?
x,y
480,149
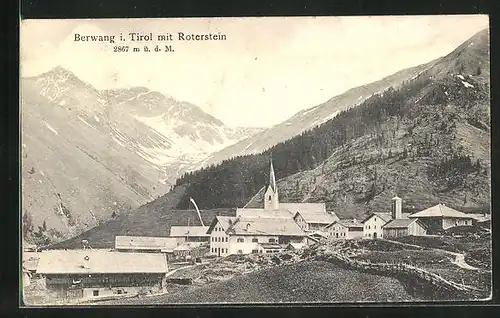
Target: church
x,y
268,229
309,216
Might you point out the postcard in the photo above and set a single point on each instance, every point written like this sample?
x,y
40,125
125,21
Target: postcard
x,y
255,160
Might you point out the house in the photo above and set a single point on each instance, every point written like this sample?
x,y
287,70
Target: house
x,y
145,244
269,248
242,235
313,219
345,229
373,223
481,219
190,233
440,217
91,273
404,227
26,277
30,264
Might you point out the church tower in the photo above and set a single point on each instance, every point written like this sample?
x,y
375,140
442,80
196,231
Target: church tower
x,y
271,201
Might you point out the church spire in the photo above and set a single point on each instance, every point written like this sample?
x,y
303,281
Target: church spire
x,y
271,201
272,178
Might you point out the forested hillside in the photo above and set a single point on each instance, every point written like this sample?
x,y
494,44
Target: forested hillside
x,y
437,124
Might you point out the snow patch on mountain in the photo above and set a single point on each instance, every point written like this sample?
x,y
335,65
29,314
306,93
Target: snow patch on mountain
x,y
325,119
86,123
51,128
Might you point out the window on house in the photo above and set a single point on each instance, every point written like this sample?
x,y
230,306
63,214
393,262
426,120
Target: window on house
x,y
255,251
269,198
226,239
272,240
226,250
254,240
368,227
240,240
95,293
119,291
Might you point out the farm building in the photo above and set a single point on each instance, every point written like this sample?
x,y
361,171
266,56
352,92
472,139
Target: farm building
x,y
145,244
94,273
190,233
238,235
481,219
440,217
372,225
345,229
404,227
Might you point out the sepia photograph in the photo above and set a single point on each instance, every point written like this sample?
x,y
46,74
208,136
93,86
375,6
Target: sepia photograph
x,y
255,160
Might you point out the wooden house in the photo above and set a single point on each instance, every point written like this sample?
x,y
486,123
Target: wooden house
x,y
345,229
94,273
440,217
404,227
190,233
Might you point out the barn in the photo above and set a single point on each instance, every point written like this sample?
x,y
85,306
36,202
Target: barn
x,y
95,273
404,227
440,217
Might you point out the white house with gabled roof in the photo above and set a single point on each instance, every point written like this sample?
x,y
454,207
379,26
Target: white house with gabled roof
x,y
243,235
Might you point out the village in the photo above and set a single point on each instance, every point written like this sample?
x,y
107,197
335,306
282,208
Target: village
x,y
141,266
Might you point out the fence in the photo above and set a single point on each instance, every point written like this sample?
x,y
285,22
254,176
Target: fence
x,y
410,271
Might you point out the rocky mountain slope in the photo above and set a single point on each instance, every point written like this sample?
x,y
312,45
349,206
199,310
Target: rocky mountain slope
x,y
88,155
427,141
437,149
312,117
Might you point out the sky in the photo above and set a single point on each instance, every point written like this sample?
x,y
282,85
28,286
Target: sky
x,y
265,71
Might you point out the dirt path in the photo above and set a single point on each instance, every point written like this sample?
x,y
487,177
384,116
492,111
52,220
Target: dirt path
x,y
460,262
175,270
459,257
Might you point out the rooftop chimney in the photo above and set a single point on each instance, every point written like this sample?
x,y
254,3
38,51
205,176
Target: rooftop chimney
x,y
397,208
